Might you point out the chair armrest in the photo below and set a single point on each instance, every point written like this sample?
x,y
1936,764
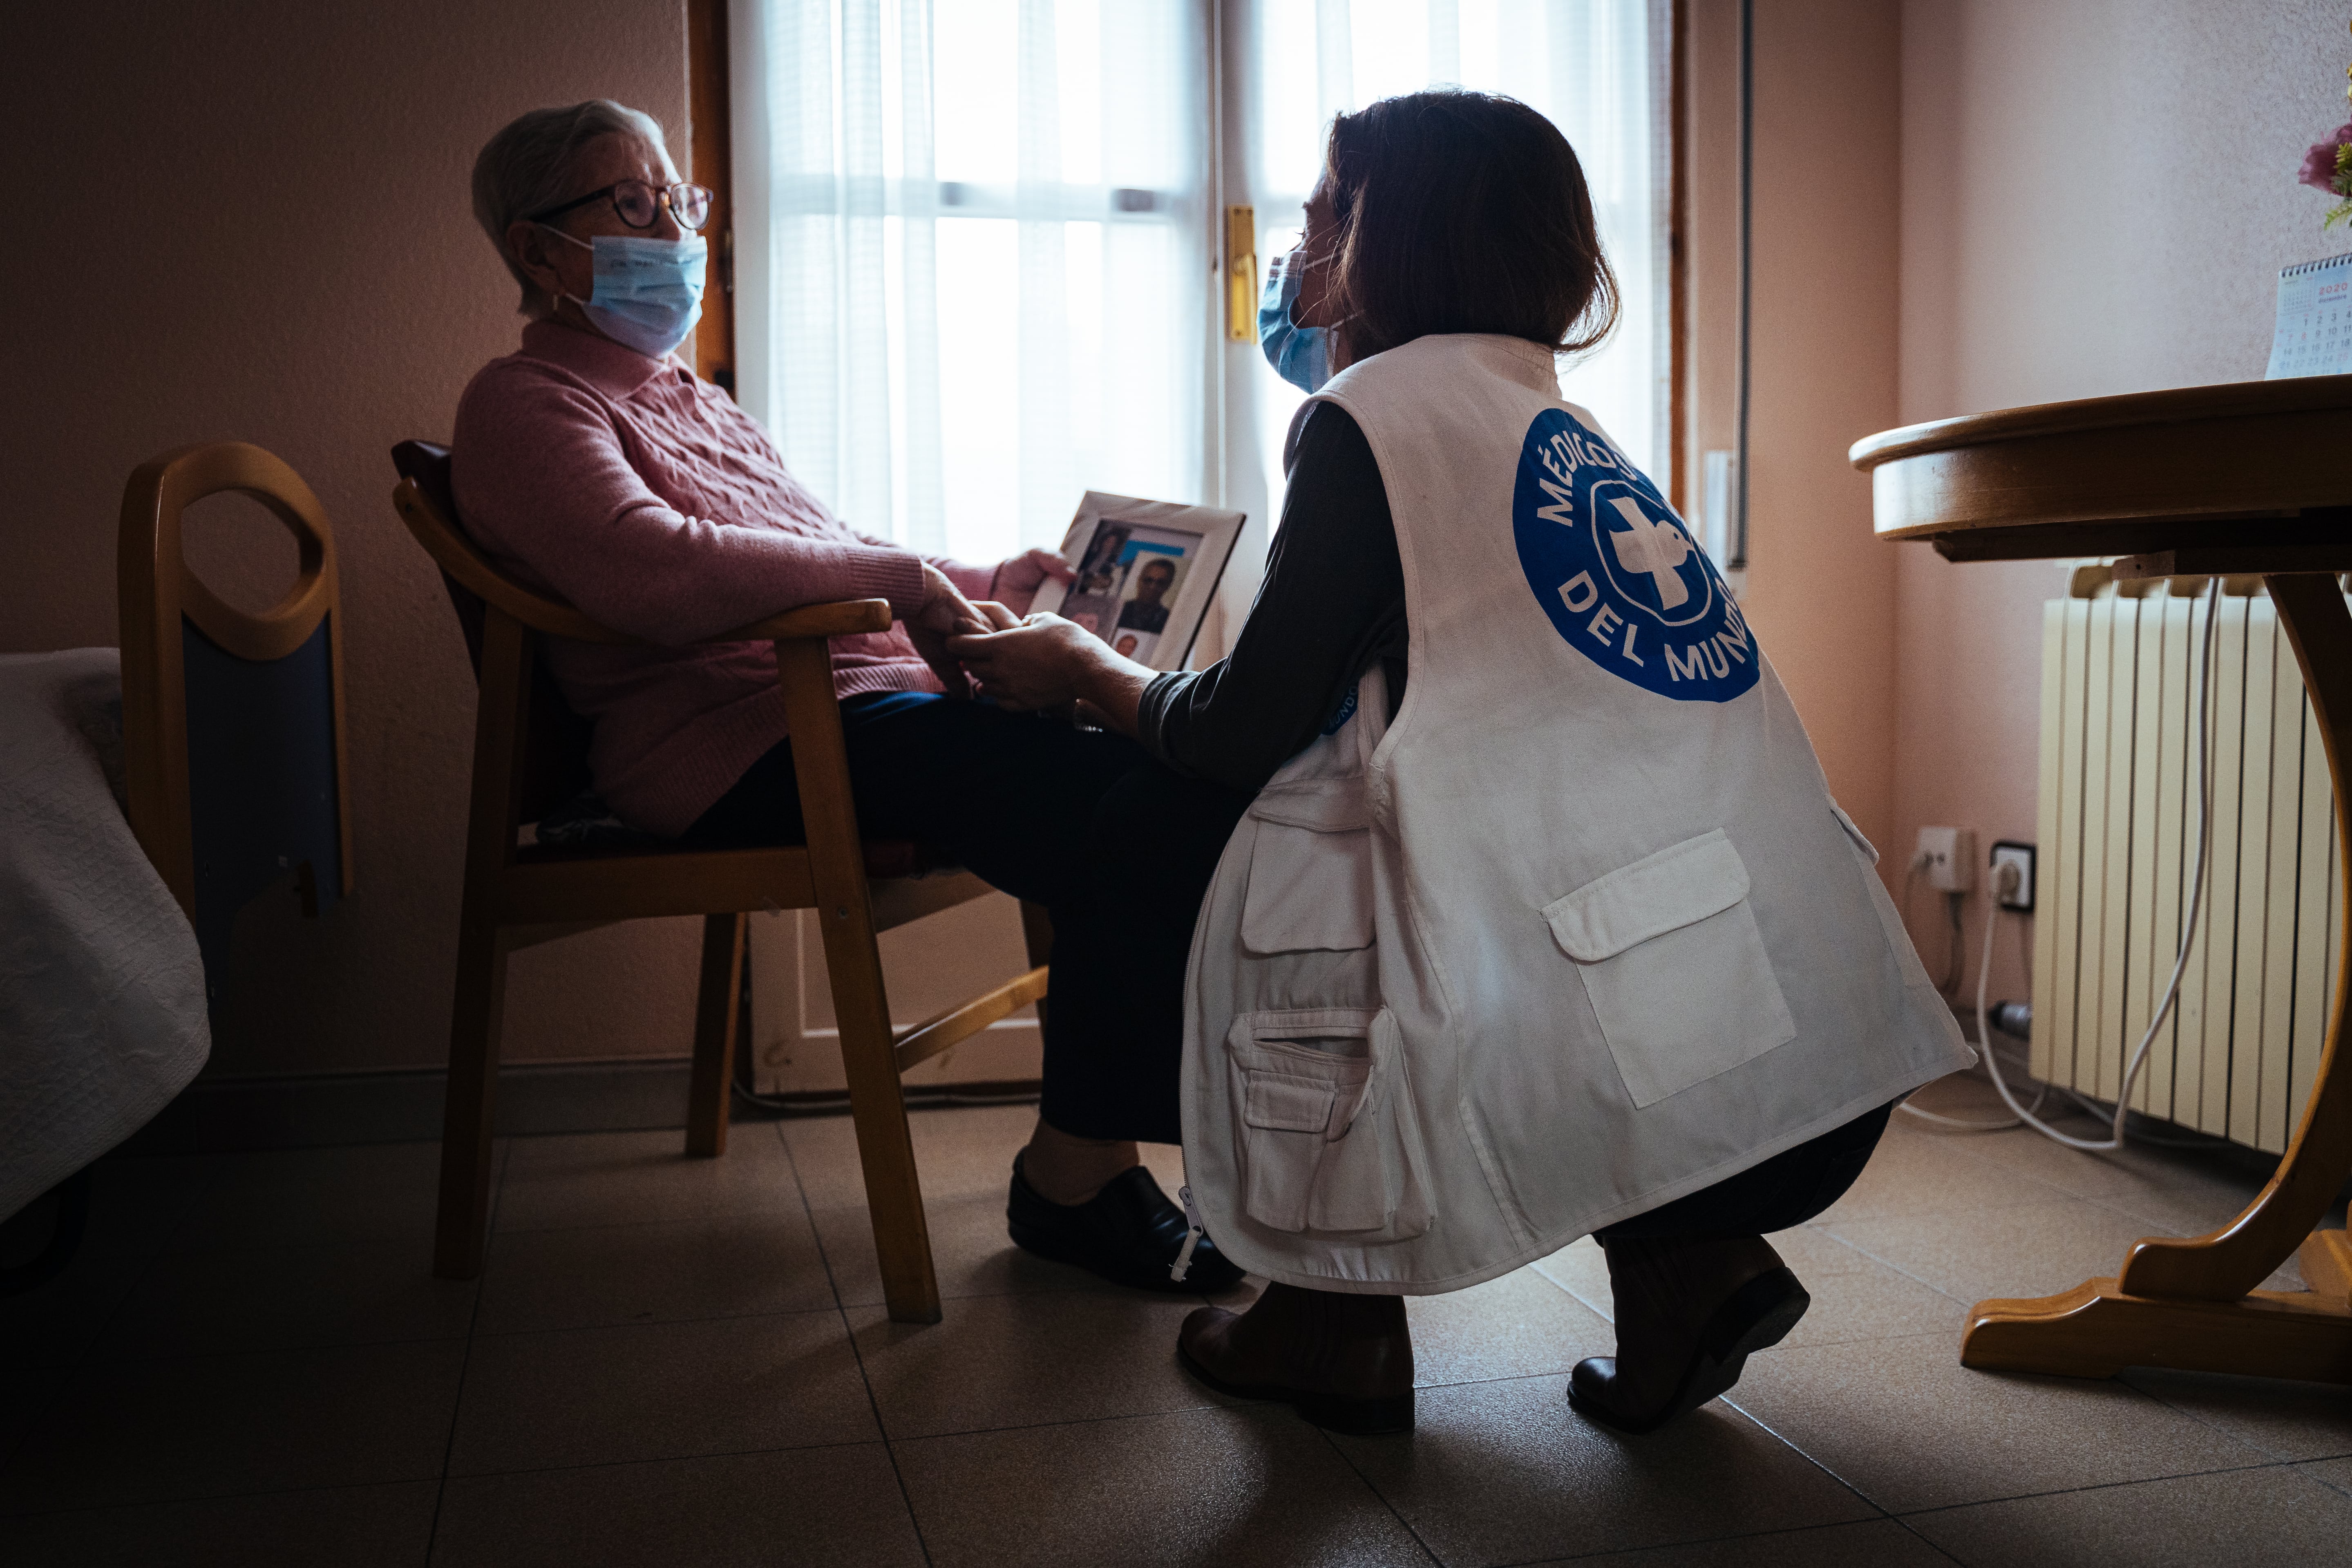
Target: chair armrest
x,y
457,555
842,618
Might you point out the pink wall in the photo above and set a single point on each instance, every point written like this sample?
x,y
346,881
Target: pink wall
x,y
257,228
1821,373
250,219
2095,199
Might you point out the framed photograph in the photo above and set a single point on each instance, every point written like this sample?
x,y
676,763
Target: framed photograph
x,y
1148,572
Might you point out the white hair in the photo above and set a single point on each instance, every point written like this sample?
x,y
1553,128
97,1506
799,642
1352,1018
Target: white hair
x,y
527,168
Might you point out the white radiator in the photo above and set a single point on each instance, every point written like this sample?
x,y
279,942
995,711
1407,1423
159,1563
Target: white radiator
x,y
2117,843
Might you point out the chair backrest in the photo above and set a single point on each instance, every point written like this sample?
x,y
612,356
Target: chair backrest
x,y
231,723
555,743
428,465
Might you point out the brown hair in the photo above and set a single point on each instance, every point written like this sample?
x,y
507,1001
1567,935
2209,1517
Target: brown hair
x,y
1464,212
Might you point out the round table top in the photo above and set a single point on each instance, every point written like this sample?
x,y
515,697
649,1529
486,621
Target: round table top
x,y
2249,466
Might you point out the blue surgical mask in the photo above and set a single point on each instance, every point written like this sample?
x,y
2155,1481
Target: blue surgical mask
x,y
1300,356
648,292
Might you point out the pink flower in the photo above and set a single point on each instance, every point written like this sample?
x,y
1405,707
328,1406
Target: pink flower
x,y
2319,163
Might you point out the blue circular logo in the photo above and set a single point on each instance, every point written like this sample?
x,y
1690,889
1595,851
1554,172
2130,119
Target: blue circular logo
x,y
1620,575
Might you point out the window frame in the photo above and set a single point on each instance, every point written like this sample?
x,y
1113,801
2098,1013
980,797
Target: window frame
x,y
711,163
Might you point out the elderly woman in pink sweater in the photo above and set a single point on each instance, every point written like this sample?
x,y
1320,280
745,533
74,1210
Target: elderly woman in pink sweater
x,y
595,466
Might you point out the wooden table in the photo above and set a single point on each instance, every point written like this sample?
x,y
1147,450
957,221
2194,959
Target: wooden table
x,y
2251,477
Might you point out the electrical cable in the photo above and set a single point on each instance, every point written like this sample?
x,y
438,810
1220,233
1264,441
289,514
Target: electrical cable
x,y
2041,1091
2102,1112
1954,957
1964,1124
1959,1124
1983,1041
1956,946
2005,881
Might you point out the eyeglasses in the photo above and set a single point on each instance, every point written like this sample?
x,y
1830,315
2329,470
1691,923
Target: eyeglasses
x,y
639,203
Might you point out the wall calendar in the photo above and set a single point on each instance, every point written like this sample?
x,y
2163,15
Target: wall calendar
x,y
2313,336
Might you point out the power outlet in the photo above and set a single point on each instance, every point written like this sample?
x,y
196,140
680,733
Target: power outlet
x,y
2007,852
1948,856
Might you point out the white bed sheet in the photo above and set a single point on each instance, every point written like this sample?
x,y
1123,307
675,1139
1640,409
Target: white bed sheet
x,y
101,991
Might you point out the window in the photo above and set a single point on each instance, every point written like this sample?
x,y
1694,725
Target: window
x,y
1596,69
971,234
977,242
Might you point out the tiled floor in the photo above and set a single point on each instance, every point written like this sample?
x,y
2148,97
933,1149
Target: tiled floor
x,y
687,1361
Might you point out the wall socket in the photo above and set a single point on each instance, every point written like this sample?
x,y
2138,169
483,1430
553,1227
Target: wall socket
x,y
2007,852
1948,856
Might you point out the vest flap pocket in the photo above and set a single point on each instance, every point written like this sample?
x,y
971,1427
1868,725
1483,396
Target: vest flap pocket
x,y
1311,876
1677,886
1675,966
1282,1103
1330,1141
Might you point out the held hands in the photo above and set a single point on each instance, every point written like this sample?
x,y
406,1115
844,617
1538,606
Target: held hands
x,y
944,613
1046,663
1023,665
1043,661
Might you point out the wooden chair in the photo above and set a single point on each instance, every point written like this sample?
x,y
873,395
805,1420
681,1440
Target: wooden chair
x,y
231,723
232,730
529,754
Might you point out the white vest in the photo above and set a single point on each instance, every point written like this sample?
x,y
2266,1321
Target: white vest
x,y
1582,931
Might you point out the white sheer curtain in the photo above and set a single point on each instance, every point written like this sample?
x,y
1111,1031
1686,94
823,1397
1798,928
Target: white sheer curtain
x,y
1597,68
972,256
975,269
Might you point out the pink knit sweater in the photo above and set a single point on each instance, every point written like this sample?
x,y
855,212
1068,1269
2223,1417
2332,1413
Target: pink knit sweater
x,y
648,500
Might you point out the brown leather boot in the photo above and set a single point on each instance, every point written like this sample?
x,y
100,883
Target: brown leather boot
x,y
1689,1314
1344,1362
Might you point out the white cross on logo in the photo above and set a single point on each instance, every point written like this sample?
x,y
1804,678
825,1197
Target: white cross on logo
x,y
1656,548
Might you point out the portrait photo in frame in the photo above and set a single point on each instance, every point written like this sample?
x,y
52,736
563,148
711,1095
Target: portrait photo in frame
x,y
1147,573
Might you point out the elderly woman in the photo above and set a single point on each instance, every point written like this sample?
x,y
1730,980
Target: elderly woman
x,y
1569,940
595,466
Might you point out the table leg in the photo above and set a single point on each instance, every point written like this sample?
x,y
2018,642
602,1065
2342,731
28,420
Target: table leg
x,y
2190,1302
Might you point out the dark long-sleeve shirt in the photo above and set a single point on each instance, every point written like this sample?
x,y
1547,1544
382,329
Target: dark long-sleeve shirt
x,y
1332,602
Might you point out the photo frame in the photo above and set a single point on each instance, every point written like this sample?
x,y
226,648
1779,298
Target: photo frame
x,y
1147,573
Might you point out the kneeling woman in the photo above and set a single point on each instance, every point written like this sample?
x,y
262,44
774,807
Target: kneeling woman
x,y
1542,922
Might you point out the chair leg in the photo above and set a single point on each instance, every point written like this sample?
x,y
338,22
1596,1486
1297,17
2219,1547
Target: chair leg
x,y
877,1107
475,1019
1037,936
714,1035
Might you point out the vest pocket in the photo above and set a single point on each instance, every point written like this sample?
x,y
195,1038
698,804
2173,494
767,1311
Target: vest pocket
x,y
1310,875
1329,1139
1675,966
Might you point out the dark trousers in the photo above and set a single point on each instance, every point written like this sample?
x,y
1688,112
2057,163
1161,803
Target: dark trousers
x,y
1780,1193
1118,848
1120,851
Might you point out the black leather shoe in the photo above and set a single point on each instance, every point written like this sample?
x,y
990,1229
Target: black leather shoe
x,y
1129,1233
1758,1316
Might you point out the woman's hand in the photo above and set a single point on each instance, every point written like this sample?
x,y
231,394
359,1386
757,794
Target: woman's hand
x,y
943,614
1038,663
1048,662
1018,577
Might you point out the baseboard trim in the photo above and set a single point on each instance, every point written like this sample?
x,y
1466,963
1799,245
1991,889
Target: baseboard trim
x,y
301,1110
